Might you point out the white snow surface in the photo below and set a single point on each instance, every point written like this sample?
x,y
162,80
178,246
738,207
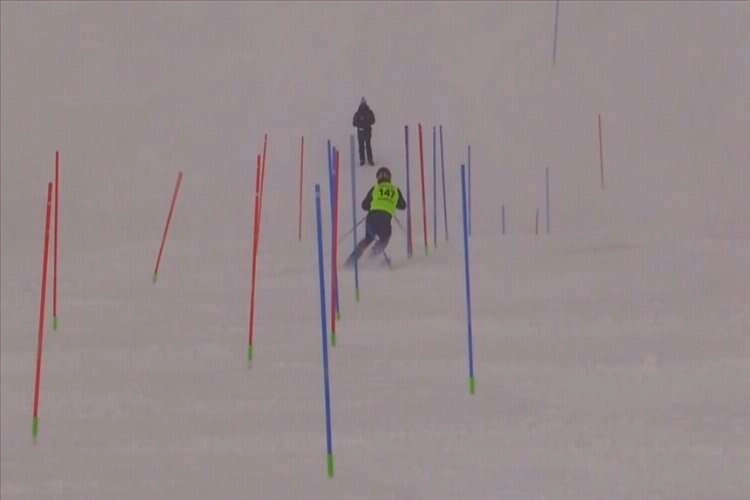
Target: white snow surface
x,y
612,355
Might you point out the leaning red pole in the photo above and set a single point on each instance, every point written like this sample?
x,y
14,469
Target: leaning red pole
x,y
166,227
301,176
256,237
56,243
40,341
424,194
265,146
263,169
260,177
262,181
335,249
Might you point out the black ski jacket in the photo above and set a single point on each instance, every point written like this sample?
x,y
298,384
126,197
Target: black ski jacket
x,y
363,118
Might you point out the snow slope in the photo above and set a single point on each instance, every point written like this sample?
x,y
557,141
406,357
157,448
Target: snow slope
x,y
612,354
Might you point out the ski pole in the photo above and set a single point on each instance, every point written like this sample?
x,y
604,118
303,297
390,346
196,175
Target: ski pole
x,y
352,229
398,222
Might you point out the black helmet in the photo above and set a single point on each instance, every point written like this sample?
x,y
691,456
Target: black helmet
x,y
383,175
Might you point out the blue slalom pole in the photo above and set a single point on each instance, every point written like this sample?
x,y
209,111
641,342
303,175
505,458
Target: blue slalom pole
x,y
442,169
554,37
434,188
326,382
409,245
546,192
472,384
336,204
468,166
354,215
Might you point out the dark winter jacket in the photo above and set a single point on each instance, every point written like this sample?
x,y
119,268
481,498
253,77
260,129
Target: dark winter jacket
x,y
364,118
367,201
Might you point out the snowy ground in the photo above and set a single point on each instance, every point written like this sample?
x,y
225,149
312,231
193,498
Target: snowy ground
x,y
612,356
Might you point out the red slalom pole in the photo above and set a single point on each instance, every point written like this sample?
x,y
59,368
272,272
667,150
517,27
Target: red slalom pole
x,y
424,194
166,227
258,196
256,237
265,145
262,180
40,341
263,168
56,243
301,176
335,249
601,150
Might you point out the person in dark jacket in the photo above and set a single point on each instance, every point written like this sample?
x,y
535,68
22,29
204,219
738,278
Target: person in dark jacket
x,y
381,202
363,120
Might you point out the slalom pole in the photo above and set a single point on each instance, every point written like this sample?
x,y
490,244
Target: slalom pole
x,y
263,168
536,223
335,313
554,36
333,193
57,241
546,196
262,183
472,383
166,227
601,150
260,180
468,186
262,186
442,169
409,242
502,218
301,177
336,159
324,343
354,215
254,265
40,340
434,188
424,194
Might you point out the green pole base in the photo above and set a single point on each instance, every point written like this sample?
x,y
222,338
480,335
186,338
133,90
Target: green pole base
x,y
472,385
155,276
249,353
330,465
35,427
54,322
356,294
333,339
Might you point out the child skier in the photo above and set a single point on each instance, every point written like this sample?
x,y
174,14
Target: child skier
x,y
381,202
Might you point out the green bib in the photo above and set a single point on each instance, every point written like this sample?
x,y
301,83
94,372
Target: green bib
x,y
384,197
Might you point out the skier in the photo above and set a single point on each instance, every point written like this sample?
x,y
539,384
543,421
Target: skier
x,y
364,119
381,202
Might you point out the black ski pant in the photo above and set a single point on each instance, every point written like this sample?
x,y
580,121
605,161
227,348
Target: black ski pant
x,y
377,225
364,136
